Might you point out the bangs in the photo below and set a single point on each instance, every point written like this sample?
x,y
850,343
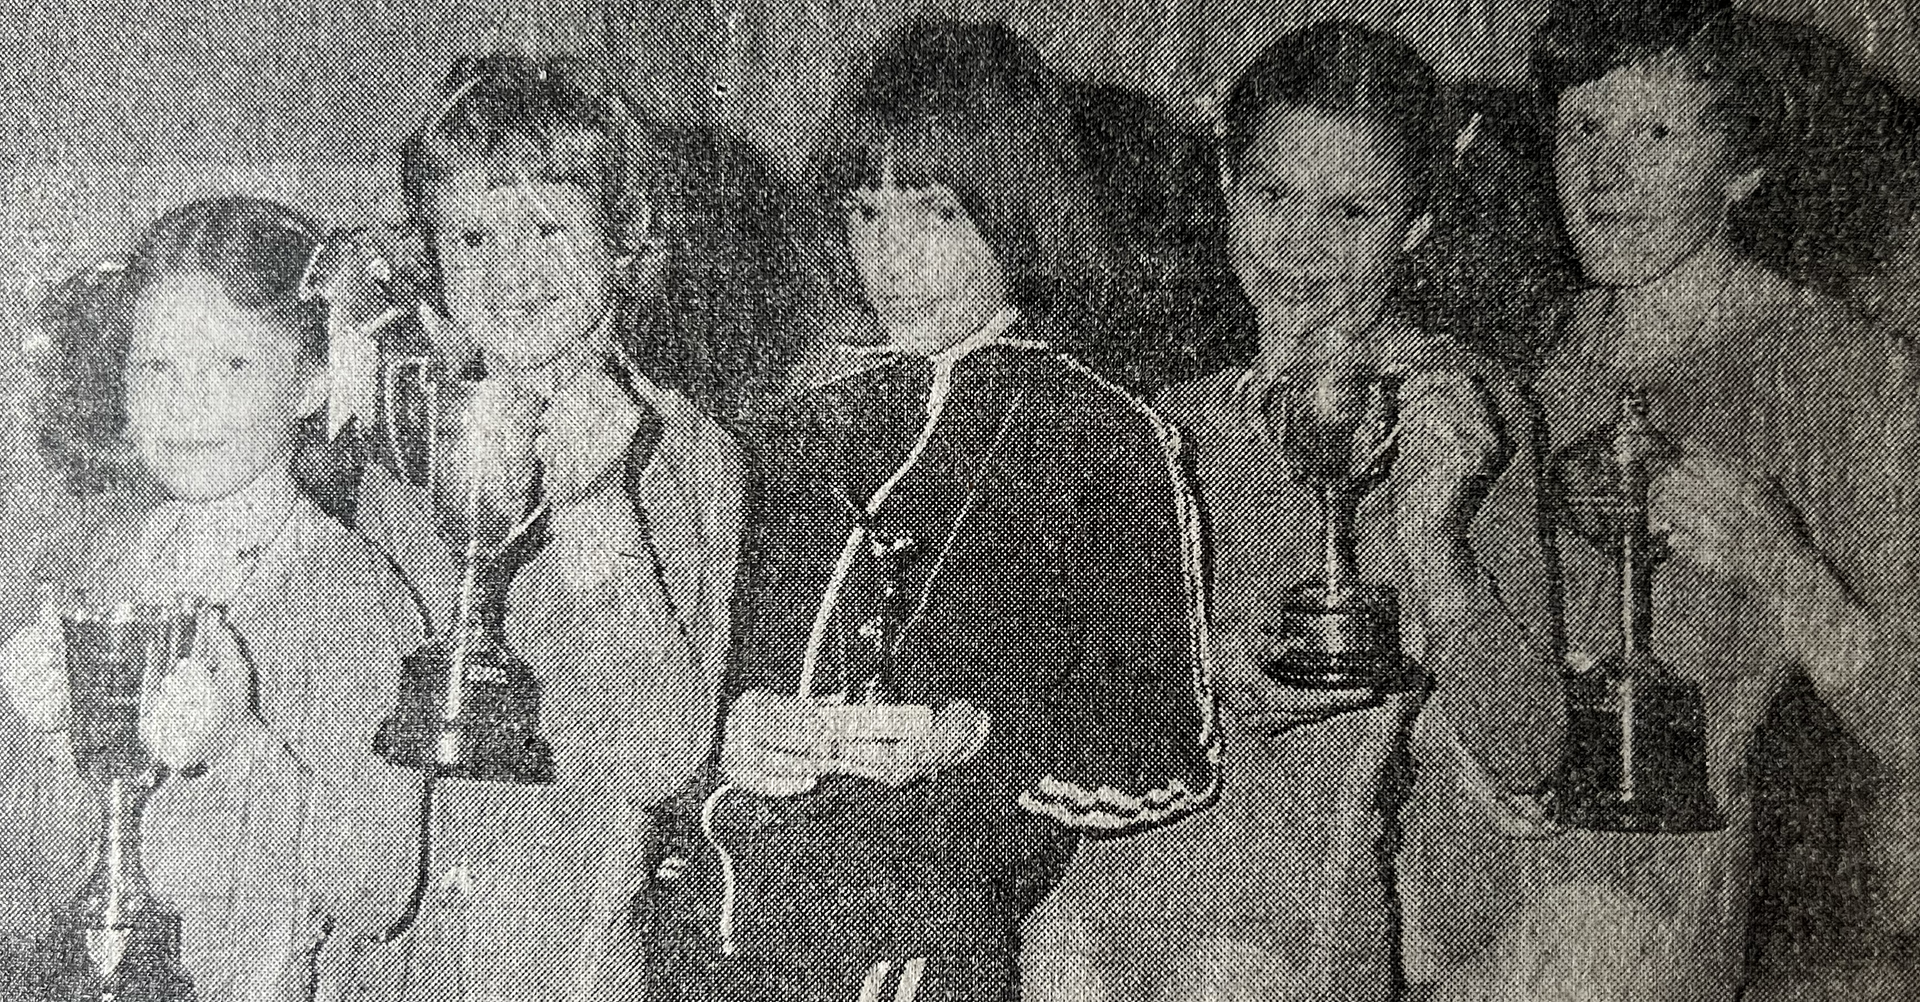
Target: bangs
x,y
1019,178
576,155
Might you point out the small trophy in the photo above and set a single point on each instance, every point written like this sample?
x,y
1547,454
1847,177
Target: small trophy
x,y
1338,631
1635,757
871,711
468,707
114,942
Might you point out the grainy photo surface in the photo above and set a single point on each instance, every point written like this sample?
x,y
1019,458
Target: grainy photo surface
x,y
1068,501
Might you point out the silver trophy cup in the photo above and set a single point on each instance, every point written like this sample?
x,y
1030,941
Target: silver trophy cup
x,y
1336,630
469,707
114,941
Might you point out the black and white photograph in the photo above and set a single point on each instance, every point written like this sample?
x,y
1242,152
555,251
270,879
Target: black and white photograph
x,y
960,501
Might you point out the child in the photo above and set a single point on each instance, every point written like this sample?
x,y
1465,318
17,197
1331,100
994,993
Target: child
x,y
552,218
975,547
1789,512
182,394
1331,143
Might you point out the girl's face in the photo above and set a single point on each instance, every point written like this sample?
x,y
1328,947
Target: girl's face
x,y
528,269
929,274
215,394
1644,173
1318,213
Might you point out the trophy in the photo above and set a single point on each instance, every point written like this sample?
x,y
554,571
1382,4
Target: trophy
x,y
114,942
1336,630
871,711
1635,757
468,707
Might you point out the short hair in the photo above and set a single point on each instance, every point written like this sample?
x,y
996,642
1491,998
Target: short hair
x,y
1343,68
973,107
709,206
1792,101
256,251
1725,50
520,119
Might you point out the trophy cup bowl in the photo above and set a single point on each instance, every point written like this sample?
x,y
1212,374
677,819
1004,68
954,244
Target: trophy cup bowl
x,y
1337,631
1635,758
114,941
468,706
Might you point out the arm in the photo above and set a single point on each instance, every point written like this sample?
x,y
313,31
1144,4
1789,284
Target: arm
x,y
1140,746
1497,684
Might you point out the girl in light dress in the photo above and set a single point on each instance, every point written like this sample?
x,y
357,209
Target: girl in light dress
x,y
177,386
1790,512
1333,141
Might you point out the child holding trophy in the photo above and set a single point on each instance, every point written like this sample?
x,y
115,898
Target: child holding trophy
x,y
1331,143
557,225
978,629
1762,457
177,387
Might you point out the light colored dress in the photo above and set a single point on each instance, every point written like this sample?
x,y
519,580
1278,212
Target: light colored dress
x,y
532,885
1790,386
297,821
1285,889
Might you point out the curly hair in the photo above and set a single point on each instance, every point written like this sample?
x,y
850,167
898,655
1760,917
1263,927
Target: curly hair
x,y
256,251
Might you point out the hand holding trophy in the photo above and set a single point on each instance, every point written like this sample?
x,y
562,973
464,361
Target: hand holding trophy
x,y
469,707
1338,631
114,942
1635,758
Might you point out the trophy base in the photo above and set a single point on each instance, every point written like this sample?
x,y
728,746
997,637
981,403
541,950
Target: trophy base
x,y
496,736
68,966
1636,756
1352,643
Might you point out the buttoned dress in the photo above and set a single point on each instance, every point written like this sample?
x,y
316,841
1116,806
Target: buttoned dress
x,y
1057,588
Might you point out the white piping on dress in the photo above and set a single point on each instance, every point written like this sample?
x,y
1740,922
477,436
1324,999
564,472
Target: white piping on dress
x,y
943,364
1107,808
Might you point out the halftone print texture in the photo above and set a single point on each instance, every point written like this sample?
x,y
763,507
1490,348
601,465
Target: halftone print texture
x,y
835,501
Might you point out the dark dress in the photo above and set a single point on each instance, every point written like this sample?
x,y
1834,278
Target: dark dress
x,y
1060,591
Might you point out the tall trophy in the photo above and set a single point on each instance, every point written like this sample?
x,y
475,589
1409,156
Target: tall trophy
x,y
1336,630
1635,757
114,942
469,707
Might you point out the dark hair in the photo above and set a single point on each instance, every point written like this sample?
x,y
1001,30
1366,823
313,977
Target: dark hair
x,y
1792,101
256,251
707,209
1581,43
1177,309
973,107
1343,68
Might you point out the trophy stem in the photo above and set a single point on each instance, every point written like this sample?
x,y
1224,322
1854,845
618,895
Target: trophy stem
x,y
1338,510
1636,551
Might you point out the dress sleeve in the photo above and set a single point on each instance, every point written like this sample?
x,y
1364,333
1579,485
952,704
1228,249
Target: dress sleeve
x,y
648,641
1137,744
1495,674
358,816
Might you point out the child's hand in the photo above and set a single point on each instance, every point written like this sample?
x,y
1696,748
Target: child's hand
x,y
775,745
35,682
957,734
190,716
583,432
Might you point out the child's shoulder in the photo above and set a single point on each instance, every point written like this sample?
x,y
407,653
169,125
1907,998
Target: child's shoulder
x,y
1052,382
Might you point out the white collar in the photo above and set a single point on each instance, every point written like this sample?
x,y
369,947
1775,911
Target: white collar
x,y
993,332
